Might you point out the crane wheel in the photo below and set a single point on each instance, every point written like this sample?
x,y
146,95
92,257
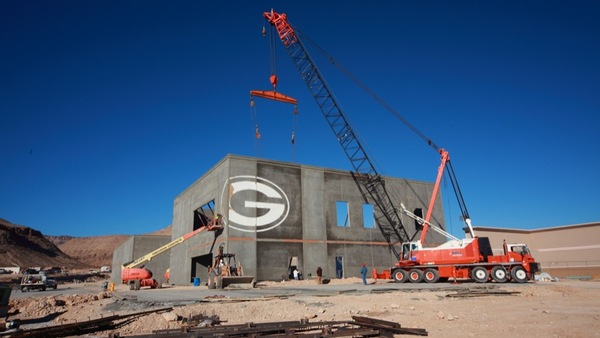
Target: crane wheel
x,y
400,276
499,274
431,276
415,276
480,274
518,274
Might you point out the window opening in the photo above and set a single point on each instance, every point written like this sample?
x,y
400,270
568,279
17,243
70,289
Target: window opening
x,y
418,212
343,219
368,216
204,214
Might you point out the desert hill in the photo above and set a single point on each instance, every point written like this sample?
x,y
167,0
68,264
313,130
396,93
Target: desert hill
x,y
96,251
26,247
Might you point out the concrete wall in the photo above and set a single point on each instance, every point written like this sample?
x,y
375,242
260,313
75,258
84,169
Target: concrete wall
x,y
136,247
565,251
274,211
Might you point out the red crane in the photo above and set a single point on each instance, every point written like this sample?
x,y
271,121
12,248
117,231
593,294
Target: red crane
x,y
468,258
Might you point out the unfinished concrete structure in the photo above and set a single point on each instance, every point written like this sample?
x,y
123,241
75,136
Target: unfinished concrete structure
x,y
279,215
136,247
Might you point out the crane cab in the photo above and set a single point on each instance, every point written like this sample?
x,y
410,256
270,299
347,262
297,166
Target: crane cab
x,y
408,248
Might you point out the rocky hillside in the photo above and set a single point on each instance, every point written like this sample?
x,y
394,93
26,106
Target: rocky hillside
x,y
94,251
26,247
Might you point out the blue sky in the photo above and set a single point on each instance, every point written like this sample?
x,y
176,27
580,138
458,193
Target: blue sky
x,y
110,109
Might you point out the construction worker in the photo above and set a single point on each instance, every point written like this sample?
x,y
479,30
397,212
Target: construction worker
x,y
319,275
363,273
212,278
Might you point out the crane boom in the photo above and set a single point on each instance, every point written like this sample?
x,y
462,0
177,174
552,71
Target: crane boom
x,y
366,176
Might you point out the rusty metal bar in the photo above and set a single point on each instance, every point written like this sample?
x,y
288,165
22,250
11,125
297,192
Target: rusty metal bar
x,y
387,327
360,327
78,328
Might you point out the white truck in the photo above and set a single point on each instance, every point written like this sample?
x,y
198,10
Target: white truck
x,y
37,282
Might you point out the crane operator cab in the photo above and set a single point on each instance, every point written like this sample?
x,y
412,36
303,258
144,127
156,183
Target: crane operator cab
x,y
512,250
408,248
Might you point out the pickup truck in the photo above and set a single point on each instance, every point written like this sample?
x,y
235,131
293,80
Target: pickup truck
x,y
37,282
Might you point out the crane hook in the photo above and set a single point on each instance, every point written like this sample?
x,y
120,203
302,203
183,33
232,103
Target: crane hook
x,y
273,78
257,133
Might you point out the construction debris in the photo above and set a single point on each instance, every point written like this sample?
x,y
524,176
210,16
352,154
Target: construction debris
x,y
545,277
199,326
79,328
480,293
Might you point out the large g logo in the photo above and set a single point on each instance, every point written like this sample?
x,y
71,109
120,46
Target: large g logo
x,y
247,214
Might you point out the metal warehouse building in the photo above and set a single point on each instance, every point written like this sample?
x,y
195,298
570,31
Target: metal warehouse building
x,y
279,214
571,251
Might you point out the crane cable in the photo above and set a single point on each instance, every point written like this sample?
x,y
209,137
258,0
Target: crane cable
x,y
257,135
273,42
449,169
369,91
273,55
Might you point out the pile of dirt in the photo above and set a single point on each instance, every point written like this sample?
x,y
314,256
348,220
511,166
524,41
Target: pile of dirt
x,y
51,305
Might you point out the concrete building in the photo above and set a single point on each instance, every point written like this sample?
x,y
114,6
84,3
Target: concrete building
x,y
279,215
136,247
571,251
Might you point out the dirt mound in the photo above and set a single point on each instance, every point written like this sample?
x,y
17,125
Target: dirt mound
x,y
26,247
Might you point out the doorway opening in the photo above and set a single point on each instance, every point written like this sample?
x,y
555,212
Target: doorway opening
x,y
200,265
293,266
339,267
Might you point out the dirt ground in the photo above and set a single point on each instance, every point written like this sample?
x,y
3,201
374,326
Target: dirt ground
x,y
542,309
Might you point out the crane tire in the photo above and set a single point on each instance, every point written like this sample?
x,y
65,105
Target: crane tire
x,y
499,274
518,274
431,275
480,274
415,276
400,275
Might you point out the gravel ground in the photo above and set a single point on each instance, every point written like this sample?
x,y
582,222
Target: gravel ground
x,y
541,309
